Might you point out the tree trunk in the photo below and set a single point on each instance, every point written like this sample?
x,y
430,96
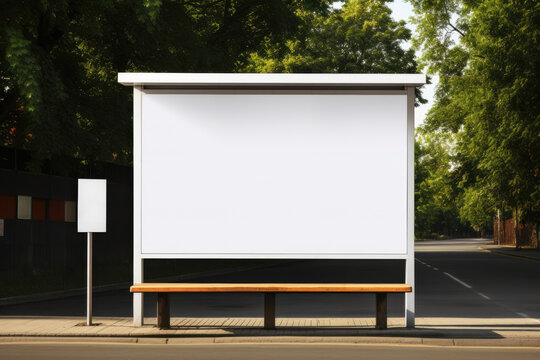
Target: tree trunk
x,y
516,228
226,13
498,227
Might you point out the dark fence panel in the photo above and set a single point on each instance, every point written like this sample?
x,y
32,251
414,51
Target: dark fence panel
x,y
527,233
47,255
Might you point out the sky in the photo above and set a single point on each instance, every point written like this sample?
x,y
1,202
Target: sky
x,y
402,10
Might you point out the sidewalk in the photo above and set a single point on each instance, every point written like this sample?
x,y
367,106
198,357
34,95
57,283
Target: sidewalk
x,y
524,253
429,331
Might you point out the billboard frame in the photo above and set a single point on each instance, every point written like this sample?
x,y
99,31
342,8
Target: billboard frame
x,y
170,83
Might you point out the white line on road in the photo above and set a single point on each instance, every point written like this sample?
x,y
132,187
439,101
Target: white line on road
x,y
459,281
455,279
426,264
484,296
527,316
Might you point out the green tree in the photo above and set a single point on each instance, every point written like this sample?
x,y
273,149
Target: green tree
x,y
477,207
59,61
436,191
360,37
487,56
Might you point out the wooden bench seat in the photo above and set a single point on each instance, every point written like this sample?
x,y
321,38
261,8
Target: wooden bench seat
x,y
269,290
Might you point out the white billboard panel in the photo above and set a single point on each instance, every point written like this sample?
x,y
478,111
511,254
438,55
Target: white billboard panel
x,y
274,175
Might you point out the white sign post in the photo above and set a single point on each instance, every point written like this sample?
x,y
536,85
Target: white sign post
x,y
91,218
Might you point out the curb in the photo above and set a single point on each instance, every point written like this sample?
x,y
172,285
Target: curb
x,y
259,333
504,253
295,340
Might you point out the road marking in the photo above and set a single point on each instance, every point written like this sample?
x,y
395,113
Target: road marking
x,y
484,296
426,264
527,317
457,280
477,292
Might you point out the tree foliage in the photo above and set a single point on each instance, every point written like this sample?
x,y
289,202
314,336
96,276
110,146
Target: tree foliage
x,y
437,194
487,55
361,37
59,61
477,207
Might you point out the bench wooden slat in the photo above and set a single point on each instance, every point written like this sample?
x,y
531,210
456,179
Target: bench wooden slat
x,y
275,288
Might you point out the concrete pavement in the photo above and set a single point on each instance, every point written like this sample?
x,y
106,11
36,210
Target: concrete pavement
x,y
506,332
429,331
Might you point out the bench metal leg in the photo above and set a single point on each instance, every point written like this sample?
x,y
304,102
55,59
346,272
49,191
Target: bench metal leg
x,y
381,311
163,311
269,310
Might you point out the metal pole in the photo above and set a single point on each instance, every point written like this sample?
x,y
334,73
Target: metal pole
x,y
89,281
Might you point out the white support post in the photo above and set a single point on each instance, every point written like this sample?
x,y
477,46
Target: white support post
x,y
89,280
409,262
138,299
138,262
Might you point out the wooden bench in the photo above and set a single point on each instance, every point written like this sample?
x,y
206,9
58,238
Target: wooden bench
x,y
269,290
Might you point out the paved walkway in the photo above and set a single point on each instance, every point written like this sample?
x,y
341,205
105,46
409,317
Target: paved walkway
x,y
434,331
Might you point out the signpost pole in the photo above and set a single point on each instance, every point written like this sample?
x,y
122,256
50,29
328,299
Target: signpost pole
x,y
89,282
91,218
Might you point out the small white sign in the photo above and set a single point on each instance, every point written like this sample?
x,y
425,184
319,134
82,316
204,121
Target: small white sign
x,y
92,205
1,227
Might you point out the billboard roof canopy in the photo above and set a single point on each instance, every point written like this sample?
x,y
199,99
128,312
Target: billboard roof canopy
x,y
256,80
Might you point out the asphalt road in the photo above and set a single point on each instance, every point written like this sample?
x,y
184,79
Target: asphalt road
x,y
20,351
453,279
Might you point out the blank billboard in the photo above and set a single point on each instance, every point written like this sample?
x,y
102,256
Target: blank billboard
x,y
274,175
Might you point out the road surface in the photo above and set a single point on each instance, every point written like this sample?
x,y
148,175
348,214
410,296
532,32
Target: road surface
x,y
23,351
453,279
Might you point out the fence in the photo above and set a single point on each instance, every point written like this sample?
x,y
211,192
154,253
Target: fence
x,y
527,233
40,248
